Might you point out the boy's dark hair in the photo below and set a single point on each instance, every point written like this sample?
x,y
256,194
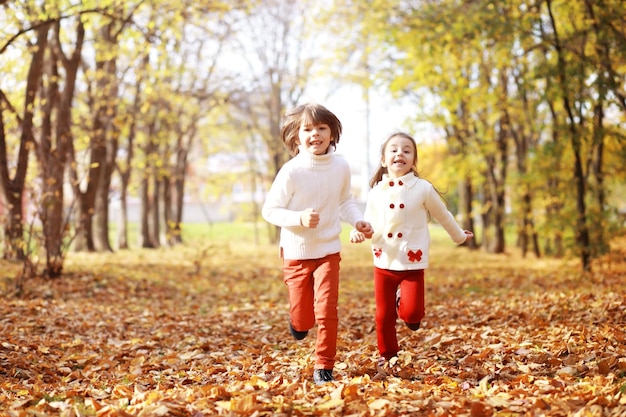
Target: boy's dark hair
x,y
308,114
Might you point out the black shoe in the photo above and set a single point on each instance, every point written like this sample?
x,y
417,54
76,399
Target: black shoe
x,y
296,334
413,326
322,376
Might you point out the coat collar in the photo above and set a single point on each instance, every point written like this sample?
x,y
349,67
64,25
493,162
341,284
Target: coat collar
x,y
408,180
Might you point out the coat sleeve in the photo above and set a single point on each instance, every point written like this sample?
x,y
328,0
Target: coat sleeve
x,y
436,207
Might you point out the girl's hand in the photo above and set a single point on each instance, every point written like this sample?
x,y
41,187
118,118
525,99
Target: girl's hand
x,y
468,234
356,236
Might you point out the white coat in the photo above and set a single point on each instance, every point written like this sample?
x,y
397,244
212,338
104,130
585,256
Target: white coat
x,y
398,210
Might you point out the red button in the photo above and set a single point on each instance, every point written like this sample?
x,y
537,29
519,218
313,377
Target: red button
x,y
399,234
401,205
391,205
389,234
400,183
391,183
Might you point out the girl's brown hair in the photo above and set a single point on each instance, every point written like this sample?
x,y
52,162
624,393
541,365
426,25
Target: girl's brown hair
x,y
308,114
381,170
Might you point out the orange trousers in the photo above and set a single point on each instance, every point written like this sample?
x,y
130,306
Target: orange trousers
x,y
313,286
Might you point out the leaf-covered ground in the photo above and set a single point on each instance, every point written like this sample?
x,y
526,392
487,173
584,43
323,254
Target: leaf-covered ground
x,y
191,332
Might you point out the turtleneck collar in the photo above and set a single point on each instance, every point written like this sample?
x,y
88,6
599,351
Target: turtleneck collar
x,y
316,161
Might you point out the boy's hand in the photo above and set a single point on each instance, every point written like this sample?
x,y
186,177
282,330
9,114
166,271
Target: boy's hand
x,y
365,228
310,218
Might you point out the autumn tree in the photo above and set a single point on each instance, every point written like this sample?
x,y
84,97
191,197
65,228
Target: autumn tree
x,y
581,96
515,87
124,162
172,113
195,95
13,183
91,184
55,140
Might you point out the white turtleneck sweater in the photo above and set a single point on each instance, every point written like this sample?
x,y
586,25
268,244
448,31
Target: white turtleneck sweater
x,y
320,182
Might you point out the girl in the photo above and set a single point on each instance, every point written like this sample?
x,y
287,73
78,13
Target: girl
x,y
307,199
398,208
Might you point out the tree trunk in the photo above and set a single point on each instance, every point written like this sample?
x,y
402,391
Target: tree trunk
x,y
497,206
101,211
83,241
466,196
110,85
582,229
13,226
53,158
122,222
126,171
13,188
179,185
528,233
149,193
145,238
155,210
167,211
100,159
487,217
179,195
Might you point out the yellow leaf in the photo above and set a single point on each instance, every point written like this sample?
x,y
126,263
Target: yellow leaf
x,y
223,404
256,381
337,392
153,396
332,403
378,404
500,400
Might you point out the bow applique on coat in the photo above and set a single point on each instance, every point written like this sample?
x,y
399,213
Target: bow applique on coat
x,y
415,256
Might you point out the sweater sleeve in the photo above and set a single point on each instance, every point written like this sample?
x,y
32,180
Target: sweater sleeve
x,y
440,212
348,209
275,209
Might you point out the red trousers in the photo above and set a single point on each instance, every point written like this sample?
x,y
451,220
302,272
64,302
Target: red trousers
x,y
410,310
313,286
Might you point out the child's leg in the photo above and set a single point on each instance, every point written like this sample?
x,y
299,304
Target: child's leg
x,y
326,285
298,276
411,309
385,285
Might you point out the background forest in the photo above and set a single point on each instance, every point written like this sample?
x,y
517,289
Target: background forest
x,y
524,103
118,116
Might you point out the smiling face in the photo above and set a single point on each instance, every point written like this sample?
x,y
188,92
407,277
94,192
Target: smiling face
x,y
308,124
399,156
315,137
